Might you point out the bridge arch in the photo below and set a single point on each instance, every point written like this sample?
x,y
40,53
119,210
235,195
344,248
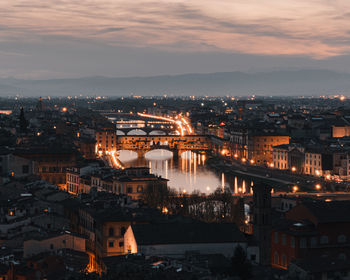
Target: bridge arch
x,y
127,155
120,132
159,154
158,132
136,131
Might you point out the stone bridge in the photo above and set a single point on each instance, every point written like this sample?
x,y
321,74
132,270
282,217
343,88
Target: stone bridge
x,y
141,144
147,130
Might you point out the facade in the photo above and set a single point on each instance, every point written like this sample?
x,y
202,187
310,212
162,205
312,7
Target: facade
x,y
130,181
54,243
176,240
340,131
303,160
311,229
313,163
280,156
106,140
239,142
260,147
262,221
15,166
51,162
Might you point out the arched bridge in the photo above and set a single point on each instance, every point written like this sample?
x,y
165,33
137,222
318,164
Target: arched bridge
x,y
128,123
142,144
147,130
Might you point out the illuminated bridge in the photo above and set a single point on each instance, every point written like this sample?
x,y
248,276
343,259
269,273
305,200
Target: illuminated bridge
x,y
147,124
141,144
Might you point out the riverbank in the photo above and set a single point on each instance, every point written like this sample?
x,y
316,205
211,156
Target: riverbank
x,y
278,179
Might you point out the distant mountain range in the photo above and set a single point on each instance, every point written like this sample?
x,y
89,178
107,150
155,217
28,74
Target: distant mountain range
x,y
299,82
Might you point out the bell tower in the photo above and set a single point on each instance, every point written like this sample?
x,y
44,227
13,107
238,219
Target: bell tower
x,y
262,221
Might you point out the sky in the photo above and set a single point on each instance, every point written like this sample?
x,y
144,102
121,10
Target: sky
x,y
77,38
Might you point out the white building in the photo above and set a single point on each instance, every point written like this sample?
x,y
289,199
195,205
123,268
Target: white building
x,y
176,240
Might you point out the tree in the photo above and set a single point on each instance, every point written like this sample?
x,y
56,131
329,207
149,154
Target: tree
x,y
241,266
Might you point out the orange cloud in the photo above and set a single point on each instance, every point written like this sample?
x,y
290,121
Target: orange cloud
x,y
314,28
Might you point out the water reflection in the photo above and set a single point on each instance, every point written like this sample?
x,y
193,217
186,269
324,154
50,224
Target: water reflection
x,y
186,174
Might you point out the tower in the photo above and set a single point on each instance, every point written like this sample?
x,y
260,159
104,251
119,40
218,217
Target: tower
x,y
40,106
22,122
262,221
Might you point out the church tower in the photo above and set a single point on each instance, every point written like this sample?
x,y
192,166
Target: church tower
x,y
262,221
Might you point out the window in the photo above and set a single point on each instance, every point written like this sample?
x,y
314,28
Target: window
x,y
111,244
284,239
276,237
129,190
139,188
122,231
51,246
111,231
292,242
341,238
25,169
313,241
303,242
324,239
284,260
275,258
121,244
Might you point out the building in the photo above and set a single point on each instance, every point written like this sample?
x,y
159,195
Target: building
x,y
321,267
106,140
239,141
280,156
53,243
178,239
132,181
340,131
15,166
260,147
262,221
313,162
311,229
51,161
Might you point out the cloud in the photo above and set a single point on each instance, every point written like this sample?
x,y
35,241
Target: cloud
x,y
109,30
314,28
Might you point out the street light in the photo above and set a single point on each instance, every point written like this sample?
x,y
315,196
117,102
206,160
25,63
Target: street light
x,y
318,187
295,188
294,169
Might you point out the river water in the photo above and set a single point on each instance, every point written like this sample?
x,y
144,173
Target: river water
x,y
186,174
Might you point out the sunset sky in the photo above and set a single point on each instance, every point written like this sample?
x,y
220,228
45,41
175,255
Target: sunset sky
x,y
75,38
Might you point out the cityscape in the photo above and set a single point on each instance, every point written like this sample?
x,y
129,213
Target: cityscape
x,y
185,140
182,188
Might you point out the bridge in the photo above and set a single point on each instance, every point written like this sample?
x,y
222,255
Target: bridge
x,y
128,123
141,144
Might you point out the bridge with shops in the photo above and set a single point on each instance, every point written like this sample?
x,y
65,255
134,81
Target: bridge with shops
x,y
141,144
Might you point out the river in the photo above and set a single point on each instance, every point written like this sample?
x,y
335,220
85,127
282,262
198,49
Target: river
x,y
186,174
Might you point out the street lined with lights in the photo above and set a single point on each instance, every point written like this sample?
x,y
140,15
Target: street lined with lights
x,y
183,126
